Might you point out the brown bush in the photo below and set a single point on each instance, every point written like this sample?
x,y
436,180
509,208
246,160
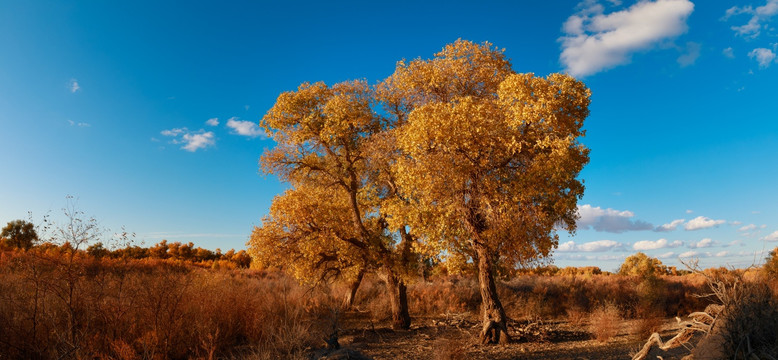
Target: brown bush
x,y
604,322
56,306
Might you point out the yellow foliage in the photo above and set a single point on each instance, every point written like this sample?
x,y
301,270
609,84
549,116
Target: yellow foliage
x,y
489,156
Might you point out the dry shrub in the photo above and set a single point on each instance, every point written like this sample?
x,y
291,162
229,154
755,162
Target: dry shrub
x,y
577,316
54,307
444,296
747,327
604,322
647,325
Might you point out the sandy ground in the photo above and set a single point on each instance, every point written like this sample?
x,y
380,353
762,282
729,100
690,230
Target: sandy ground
x,y
447,338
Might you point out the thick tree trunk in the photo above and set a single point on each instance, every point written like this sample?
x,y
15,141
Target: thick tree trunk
x,y
398,300
494,329
353,287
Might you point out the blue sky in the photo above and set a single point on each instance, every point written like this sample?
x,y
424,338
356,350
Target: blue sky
x,y
146,112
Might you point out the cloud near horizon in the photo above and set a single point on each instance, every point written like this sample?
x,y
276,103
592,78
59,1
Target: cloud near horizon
x,y
592,246
772,237
609,220
654,245
595,41
702,222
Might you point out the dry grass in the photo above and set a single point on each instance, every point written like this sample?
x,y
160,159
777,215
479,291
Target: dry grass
x,y
604,322
56,305
52,307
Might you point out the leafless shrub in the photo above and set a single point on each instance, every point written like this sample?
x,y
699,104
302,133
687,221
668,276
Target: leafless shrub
x,y
743,324
604,322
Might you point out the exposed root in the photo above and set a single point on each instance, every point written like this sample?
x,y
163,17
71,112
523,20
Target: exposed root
x,y
495,333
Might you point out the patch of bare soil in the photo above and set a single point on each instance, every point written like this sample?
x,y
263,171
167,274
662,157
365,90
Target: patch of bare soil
x,y
456,337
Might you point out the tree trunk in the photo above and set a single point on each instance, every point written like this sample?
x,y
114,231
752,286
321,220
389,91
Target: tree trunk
x,y
398,300
494,329
353,287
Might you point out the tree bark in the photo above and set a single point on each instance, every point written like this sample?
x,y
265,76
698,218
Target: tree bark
x,y
494,329
353,287
398,300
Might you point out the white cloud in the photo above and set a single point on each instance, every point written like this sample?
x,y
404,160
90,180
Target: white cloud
x,y
691,253
658,244
192,141
599,245
760,16
595,41
244,127
568,246
174,132
212,122
728,52
74,85
592,246
771,237
666,255
763,56
702,222
748,227
704,243
609,220
690,54
689,211
671,226
722,253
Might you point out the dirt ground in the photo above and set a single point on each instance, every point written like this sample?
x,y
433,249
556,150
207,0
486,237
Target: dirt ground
x,y
455,337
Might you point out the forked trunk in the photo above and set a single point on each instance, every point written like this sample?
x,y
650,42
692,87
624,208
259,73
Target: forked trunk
x,y
398,300
494,329
353,287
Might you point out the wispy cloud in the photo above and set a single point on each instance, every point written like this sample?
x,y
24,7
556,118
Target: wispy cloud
x,y
609,220
212,122
760,16
748,227
671,226
592,246
702,222
728,52
189,140
690,54
763,56
704,243
192,142
79,124
245,128
692,253
772,237
74,85
654,245
595,41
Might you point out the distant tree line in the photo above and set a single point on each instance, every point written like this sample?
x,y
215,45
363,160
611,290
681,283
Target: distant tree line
x,y
21,235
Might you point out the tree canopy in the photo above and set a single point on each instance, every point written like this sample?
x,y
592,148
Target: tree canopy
x,y
19,234
458,157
